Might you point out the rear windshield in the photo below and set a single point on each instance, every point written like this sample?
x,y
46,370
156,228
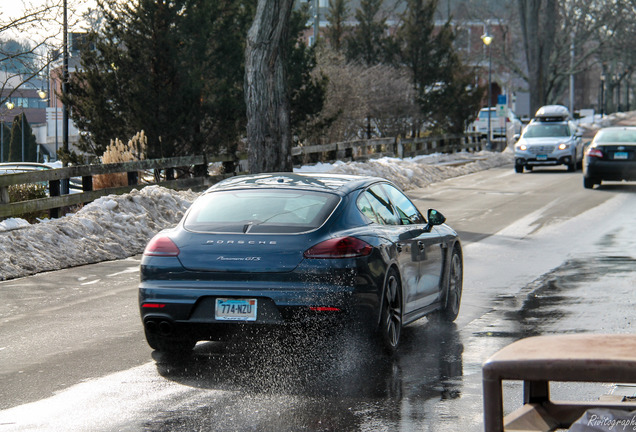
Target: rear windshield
x,y
546,130
616,136
484,114
260,211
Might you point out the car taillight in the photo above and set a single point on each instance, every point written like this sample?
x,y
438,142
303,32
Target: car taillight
x,y
153,305
161,246
594,152
343,247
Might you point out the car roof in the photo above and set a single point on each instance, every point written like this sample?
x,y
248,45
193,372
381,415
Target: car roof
x,y
553,113
612,134
341,183
15,167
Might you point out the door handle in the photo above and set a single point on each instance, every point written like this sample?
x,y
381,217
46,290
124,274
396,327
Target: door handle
x,y
421,245
399,246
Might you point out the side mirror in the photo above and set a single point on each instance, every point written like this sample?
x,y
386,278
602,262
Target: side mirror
x,y
516,137
434,218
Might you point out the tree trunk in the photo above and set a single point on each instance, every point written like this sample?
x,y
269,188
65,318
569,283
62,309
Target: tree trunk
x,y
268,126
538,25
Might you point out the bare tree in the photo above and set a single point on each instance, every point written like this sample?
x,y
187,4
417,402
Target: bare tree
x,y
538,26
268,125
364,101
42,26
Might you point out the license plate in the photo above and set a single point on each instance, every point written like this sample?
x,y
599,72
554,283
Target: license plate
x,y
229,309
620,155
542,157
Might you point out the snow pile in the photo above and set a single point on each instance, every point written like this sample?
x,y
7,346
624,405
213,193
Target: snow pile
x,y
119,226
421,171
112,227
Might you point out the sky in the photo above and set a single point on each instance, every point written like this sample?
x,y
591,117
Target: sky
x,y
119,226
14,9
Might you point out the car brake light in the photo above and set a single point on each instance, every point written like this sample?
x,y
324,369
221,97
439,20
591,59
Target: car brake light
x,y
324,309
594,152
161,246
153,305
342,247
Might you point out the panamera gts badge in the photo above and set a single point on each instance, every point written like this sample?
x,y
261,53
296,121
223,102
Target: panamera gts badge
x,y
252,258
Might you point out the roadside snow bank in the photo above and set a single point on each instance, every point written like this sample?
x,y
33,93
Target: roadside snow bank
x,y
112,227
412,173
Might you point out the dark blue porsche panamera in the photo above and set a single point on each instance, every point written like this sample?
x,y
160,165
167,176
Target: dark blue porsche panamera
x,y
278,249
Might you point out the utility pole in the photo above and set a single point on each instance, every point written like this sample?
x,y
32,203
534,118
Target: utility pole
x,y
316,20
64,183
572,74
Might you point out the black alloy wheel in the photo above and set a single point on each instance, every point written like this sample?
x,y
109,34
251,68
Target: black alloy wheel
x,y
454,288
391,321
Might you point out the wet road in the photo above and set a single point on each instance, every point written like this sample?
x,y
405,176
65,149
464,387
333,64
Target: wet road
x,y
542,255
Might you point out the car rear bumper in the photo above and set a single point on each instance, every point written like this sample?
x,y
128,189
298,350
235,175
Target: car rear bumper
x,y
609,170
181,305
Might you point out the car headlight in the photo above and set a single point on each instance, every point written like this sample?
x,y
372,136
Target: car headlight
x,y
522,147
564,146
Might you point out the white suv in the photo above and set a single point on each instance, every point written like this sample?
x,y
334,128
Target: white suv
x,y
551,138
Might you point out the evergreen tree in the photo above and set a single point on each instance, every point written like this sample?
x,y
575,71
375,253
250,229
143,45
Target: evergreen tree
x,y
172,68
17,57
336,16
442,82
307,92
16,150
6,141
367,41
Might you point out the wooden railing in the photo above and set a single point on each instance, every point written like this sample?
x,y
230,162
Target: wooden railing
x,y
195,166
394,147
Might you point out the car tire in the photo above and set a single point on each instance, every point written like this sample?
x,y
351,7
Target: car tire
x,y
170,345
588,183
390,328
454,288
573,165
519,169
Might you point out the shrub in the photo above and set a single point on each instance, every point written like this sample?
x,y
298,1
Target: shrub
x,y
117,152
26,192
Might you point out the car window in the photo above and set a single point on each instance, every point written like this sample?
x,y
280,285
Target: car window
x,y
616,136
380,204
546,130
407,211
365,207
483,114
260,211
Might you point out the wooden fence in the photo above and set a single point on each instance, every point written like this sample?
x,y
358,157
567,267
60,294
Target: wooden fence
x,y
393,147
196,168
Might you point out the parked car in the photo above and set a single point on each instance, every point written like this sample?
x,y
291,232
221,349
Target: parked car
x,y
498,125
19,167
270,250
75,183
551,138
610,156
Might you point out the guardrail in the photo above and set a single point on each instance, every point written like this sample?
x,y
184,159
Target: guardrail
x,y
196,166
